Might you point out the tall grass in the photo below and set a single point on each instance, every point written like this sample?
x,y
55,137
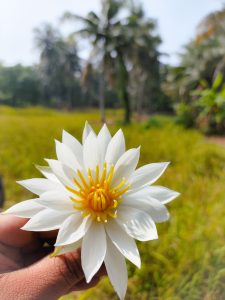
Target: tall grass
x,y
188,260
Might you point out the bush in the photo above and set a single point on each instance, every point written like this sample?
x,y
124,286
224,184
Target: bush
x,y
185,114
206,110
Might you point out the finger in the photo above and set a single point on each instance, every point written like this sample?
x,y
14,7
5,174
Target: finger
x,y
32,247
83,285
10,252
48,234
102,271
8,264
32,258
49,278
12,235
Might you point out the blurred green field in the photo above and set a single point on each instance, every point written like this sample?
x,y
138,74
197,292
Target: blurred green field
x,y
188,260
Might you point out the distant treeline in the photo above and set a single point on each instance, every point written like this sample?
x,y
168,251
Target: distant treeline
x,y
24,86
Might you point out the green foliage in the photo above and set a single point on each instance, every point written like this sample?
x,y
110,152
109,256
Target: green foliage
x,y
185,114
187,262
159,121
206,110
217,82
19,86
202,59
211,106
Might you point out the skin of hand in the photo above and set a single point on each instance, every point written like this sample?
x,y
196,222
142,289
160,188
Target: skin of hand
x,y
28,272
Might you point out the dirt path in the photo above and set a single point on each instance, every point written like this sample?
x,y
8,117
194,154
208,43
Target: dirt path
x,y
219,140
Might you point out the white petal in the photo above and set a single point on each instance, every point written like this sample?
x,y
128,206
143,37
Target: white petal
x,y
93,250
25,209
153,207
57,200
116,268
73,229
116,148
46,220
140,192
137,223
147,174
47,172
124,243
87,130
39,185
103,138
68,248
126,165
163,194
64,173
74,145
66,156
91,152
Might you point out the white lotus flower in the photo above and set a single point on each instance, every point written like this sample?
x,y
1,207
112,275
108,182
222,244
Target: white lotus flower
x,y
99,201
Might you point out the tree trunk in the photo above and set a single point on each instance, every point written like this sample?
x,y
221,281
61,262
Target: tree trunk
x,y
102,97
126,99
123,87
141,79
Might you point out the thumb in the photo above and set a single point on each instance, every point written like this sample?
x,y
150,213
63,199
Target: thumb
x,y
49,279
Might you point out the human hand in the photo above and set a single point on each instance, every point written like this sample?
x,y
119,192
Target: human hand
x,y
27,272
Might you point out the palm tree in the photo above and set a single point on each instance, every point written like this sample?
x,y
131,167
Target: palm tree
x,y
137,46
98,30
117,43
59,63
47,40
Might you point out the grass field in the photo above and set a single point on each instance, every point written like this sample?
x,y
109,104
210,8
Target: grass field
x,y
188,260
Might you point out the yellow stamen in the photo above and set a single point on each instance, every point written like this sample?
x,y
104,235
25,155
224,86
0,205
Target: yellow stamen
x,y
82,178
113,215
115,203
95,197
78,207
122,192
103,202
73,191
95,201
97,175
82,193
77,183
119,185
76,200
110,175
91,181
103,175
55,252
85,214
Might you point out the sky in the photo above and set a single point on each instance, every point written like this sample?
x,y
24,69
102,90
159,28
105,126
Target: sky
x,y
177,21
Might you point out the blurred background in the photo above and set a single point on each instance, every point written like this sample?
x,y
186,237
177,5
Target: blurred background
x,y
154,68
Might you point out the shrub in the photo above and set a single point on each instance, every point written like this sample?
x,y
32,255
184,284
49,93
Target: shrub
x,y
185,114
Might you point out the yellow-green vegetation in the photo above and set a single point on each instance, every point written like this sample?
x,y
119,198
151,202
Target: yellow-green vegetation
x,y
188,260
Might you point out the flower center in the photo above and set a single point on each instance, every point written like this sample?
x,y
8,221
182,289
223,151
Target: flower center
x,y
96,196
